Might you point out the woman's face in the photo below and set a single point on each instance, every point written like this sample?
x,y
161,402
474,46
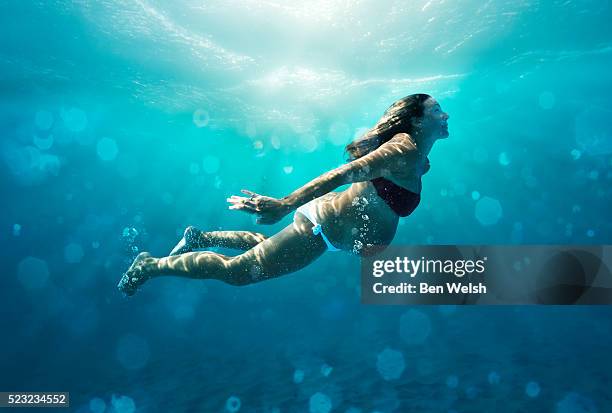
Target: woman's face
x,y
434,122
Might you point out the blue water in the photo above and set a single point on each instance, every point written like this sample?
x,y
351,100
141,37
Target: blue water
x,y
122,122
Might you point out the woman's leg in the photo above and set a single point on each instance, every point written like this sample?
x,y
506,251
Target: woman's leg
x,y
290,250
193,239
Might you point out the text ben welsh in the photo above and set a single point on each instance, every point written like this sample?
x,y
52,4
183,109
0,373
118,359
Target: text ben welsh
x,y
411,267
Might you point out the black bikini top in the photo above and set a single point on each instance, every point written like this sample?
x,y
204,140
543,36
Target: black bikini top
x,y
400,200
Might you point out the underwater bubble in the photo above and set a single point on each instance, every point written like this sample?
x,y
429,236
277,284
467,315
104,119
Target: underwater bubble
x,y
97,405
547,100
74,119
132,352
95,245
309,142
493,378
593,175
129,234
275,142
233,404
504,159
532,389
298,376
390,364
452,382
415,327
326,370
357,247
210,164
49,164
258,145
32,272
43,119
107,149
593,132
488,211
575,403
201,118
472,392
73,253
255,271
575,154
123,404
16,230
194,168
23,161
319,403
339,133
590,233
475,195
288,169
480,154
43,143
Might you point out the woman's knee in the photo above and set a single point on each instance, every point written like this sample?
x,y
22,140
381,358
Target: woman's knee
x,y
245,270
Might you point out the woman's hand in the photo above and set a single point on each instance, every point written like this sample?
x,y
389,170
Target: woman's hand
x,y
268,210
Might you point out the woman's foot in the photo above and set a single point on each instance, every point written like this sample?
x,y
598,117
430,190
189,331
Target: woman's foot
x,y
189,242
136,275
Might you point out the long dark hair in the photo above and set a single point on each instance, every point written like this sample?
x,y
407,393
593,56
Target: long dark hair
x,y
397,118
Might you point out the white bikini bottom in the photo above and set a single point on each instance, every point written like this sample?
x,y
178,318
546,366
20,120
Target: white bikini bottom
x,y
308,210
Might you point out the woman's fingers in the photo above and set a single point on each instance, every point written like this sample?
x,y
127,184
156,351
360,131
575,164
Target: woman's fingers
x,y
249,193
236,199
242,203
244,207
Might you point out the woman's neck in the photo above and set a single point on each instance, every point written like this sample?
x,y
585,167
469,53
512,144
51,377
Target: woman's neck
x,y
423,143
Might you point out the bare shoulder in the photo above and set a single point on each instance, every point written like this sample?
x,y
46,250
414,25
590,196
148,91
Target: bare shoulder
x,y
403,139
402,146
402,169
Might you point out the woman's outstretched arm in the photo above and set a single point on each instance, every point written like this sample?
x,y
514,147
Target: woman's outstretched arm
x,y
378,163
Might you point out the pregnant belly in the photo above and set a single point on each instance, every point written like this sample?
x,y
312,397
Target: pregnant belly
x,y
363,225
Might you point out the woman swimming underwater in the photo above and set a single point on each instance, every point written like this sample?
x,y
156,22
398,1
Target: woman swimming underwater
x,y
385,168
